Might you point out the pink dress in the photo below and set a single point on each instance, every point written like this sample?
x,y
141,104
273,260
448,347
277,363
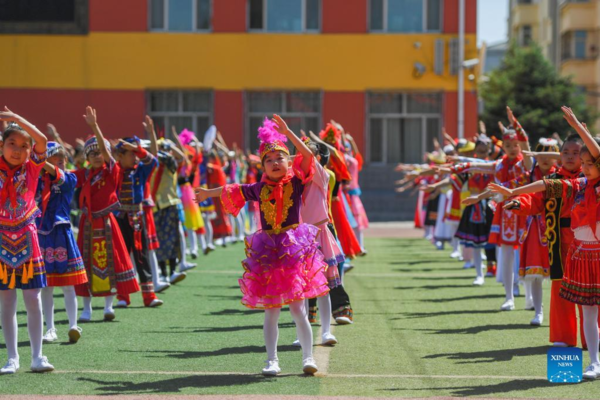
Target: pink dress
x,y
353,190
315,211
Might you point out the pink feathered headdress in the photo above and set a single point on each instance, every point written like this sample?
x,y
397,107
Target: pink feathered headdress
x,y
186,137
270,139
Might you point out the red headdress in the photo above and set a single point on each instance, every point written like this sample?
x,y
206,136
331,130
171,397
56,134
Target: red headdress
x,y
332,135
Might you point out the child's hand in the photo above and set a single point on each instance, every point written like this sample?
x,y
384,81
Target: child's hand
x,y
90,116
510,115
8,115
570,116
148,125
127,146
495,188
427,188
201,194
469,201
281,125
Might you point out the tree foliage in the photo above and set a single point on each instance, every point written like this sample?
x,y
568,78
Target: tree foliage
x,y
535,91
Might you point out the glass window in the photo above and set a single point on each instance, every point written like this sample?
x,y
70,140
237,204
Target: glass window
x,y
405,15
66,17
423,103
256,14
434,15
376,15
203,15
313,15
284,15
580,44
184,109
385,103
157,14
180,16
301,110
376,140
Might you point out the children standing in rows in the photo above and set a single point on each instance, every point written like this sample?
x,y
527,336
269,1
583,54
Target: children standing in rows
x,y
62,259
21,261
284,265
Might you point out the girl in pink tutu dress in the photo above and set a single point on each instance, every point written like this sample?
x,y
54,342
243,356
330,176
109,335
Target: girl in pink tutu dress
x,y
284,265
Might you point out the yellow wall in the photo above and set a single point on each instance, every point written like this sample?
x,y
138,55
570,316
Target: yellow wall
x,y
223,61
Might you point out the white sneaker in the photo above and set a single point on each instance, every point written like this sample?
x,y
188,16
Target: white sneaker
x,y
11,367
188,264
560,344
328,339
50,336
187,267
177,277
161,287
296,343
592,371
86,316
479,281
241,238
41,364
272,368
439,245
343,321
508,305
156,303
529,304
455,255
537,320
121,304
74,334
309,366
109,315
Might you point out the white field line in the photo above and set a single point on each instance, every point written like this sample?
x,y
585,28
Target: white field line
x,y
320,374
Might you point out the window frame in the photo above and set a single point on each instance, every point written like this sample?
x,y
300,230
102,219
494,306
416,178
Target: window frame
x,y
79,26
180,113
403,115
265,20
283,113
385,30
165,28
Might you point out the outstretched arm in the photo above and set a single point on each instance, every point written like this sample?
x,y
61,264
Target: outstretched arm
x,y
203,194
535,187
38,137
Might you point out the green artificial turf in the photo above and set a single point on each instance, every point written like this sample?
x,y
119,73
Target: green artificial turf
x,y
416,317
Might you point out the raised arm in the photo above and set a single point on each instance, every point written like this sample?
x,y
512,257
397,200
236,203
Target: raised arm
x,y
586,136
149,128
92,120
307,155
522,137
38,137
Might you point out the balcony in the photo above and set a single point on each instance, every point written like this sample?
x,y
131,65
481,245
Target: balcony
x,y
579,15
524,14
583,71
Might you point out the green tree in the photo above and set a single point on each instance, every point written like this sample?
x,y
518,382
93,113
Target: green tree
x,y
530,85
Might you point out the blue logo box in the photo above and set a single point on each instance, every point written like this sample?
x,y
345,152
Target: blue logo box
x,y
565,365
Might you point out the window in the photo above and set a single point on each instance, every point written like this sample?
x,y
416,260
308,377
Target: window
x,y
402,126
575,46
526,35
405,16
301,110
579,44
184,109
180,15
44,17
284,15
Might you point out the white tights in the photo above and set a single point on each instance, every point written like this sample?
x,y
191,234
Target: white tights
x,y
508,273
70,305
536,293
359,235
303,330
590,330
209,229
478,260
324,305
8,302
193,241
202,240
182,245
108,304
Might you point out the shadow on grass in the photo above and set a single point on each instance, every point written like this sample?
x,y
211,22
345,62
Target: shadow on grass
x,y
411,270
218,329
183,355
20,344
174,385
474,297
516,385
441,278
492,355
235,312
411,315
433,287
220,296
476,329
418,262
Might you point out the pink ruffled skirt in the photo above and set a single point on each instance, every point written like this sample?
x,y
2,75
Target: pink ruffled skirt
x,y
282,268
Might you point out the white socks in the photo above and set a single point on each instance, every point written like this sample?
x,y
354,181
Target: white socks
x,y
590,329
477,260
33,304
48,306
154,267
193,241
536,294
209,231
8,301
324,304
87,305
508,278
202,240
303,330
108,304
182,246
70,305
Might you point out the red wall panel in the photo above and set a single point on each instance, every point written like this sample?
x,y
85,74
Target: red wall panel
x,y
229,16
229,116
450,11
115,16
451,114
347,108
344,16
120,112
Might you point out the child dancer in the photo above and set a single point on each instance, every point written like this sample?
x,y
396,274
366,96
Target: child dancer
x,y
21,261
581,278
136,167
105,256
64,265
284,265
